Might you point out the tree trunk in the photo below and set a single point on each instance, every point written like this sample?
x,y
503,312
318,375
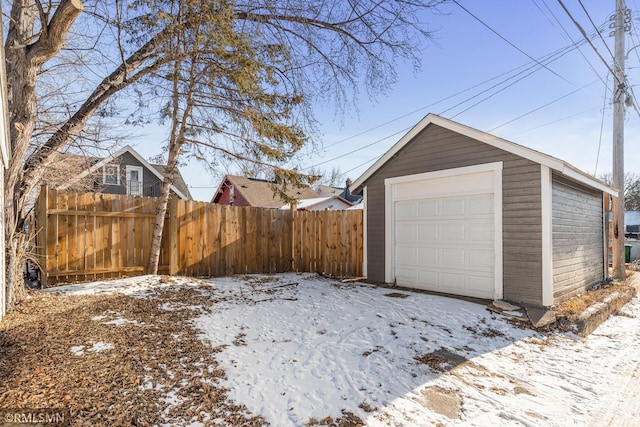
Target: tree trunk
x,y
161,208
22,63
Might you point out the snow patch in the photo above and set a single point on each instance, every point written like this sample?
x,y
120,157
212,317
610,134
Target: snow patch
x,y
98,347
121,321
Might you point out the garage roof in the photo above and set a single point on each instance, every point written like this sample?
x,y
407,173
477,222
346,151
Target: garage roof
x,y
519,150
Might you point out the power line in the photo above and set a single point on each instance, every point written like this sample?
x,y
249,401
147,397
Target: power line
x,y
533,70
584,35
586,12
568,36
550,57
633,30
528,69
510,43
543,106
604,104
361,164
570,116
359,149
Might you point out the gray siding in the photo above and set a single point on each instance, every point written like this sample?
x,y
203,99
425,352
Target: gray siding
x,y
436,148
578,247
151,183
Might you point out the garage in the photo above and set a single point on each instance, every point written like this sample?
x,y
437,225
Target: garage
x,y
455,210
444,231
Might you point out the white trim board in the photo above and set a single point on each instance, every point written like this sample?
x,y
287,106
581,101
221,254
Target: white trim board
x,y
547,235
503,144
364,233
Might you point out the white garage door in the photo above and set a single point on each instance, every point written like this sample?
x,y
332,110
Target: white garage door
x,y
446,242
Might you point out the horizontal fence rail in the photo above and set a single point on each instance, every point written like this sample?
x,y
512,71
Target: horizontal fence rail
x,y
90,236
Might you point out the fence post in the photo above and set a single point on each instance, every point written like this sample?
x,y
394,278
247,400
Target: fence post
x,y
39,233
173,236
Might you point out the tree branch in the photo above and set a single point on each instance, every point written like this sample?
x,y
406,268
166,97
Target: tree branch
x,y
117,80
52,38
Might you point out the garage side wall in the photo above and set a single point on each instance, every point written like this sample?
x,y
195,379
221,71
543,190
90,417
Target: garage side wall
x,y
577,230
436,148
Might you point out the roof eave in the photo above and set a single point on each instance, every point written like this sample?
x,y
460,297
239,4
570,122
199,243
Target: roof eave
x,y
519,150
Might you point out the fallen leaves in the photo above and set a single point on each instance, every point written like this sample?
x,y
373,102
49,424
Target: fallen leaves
x,y
148,370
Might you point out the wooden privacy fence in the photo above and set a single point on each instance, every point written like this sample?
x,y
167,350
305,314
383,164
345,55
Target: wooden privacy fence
x,y
88,236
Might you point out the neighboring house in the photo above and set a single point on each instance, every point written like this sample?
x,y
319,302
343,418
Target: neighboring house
x,y
330,203
4,163
455,210
345,193
243,191
125,172
632,235
632,224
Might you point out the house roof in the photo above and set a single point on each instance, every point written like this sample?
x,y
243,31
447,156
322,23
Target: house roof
x,y
329,190
307,204
259,192
511,147
178,180
64,165
157,171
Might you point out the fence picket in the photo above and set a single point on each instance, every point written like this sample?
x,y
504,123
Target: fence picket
x,y
90,236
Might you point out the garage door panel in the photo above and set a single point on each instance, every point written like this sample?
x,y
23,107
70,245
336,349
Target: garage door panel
x,y
406,277
479,258
406,233
452,257
452,236
476,183
453,232
453,207
428,232
453,283
427,256
407,255
428,208
478,285
427,280
405,210
481,232
481,205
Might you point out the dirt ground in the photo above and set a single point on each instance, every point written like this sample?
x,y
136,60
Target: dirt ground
x,y
120,386
157,371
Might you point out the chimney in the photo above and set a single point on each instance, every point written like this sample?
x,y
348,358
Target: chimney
x,y
347,192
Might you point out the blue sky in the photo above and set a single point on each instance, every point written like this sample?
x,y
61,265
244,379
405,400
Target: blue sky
x,y
465,53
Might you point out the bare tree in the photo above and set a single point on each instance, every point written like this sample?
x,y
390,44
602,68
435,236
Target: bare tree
x,y
631,189
332,178
308,51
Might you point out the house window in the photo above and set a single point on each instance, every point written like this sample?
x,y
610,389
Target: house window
x,y
111,175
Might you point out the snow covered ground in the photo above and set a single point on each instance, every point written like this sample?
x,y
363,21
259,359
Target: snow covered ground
x,y
301,348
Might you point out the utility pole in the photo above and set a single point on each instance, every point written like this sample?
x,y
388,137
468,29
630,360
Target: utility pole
x,y
619,98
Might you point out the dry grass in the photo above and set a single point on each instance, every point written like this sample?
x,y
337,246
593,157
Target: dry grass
x,y
577,305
